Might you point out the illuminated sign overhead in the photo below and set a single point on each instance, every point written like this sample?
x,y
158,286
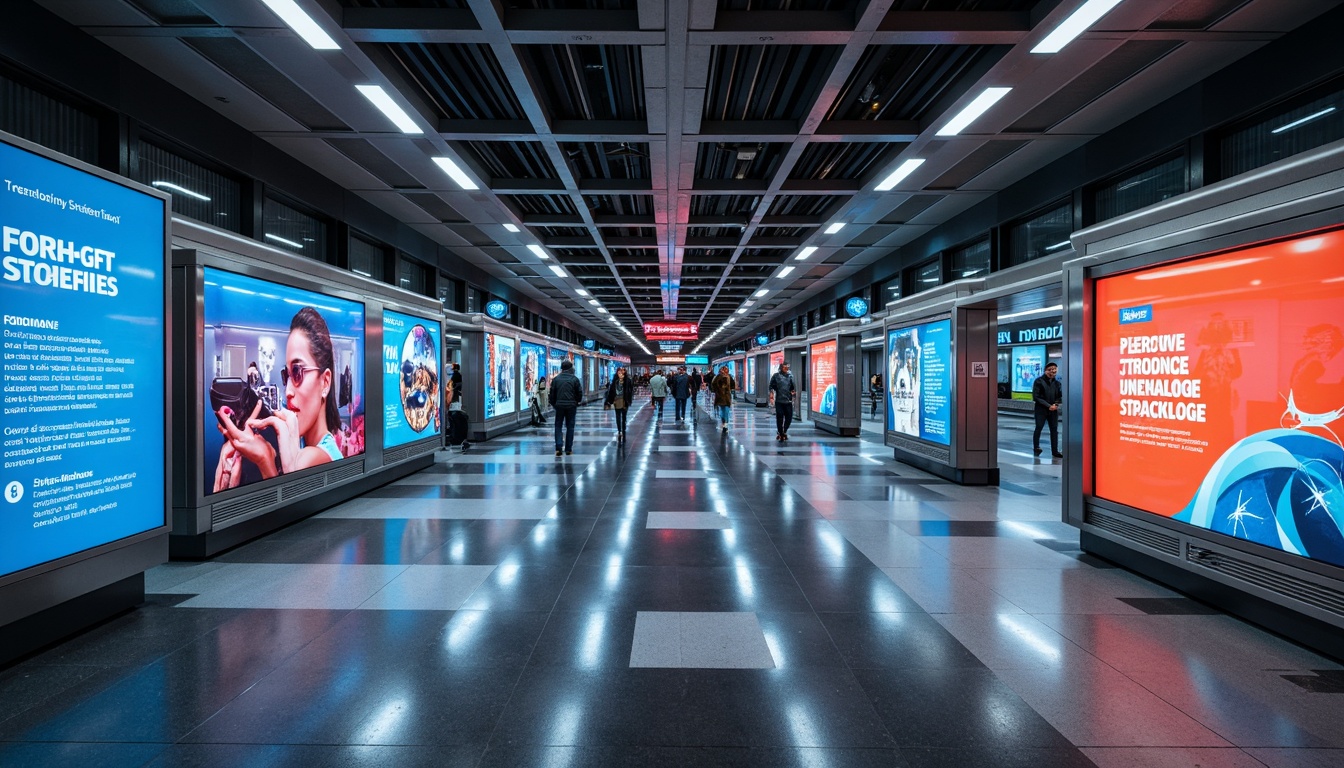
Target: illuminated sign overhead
x,y
671,359
856,307
762,340
605,351
671,331
497,309
589,344
697,359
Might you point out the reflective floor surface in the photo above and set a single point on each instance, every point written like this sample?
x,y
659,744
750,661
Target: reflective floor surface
x,y
694,597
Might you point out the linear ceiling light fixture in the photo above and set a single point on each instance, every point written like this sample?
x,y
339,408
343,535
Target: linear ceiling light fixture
x,y
762,292
558,270
581,292
803,254
171,187
785,272
451,168
987,98
391,109
836,227
299,21
898,175
510,227
1088,13
539,251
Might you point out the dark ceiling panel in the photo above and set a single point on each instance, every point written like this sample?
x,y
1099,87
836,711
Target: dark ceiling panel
x,y
805,205
620,205
842,161
905,82
910,209
964,5
1125,62
452,4
463,82
511,159
233,56
540,204
370,159
588,82
170,13
591,160
1196,14
738,161
435,206
976,163
759,82
742,206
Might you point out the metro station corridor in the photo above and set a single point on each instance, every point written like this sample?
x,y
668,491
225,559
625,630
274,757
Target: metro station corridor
x,y
692,598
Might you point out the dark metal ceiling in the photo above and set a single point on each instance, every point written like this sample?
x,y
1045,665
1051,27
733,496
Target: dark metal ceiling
x,y
673,156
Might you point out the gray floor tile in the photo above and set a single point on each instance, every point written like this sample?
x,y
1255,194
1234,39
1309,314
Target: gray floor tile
x,y
429,588
689,520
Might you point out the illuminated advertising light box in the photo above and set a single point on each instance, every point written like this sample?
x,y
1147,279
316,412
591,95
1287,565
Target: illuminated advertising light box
x,y
410,378
82,291
822,383
919,385
1028,365
751,375
284,379
776,360
578,369
501,389
669,331
1219,395
533,357
557,356
697,359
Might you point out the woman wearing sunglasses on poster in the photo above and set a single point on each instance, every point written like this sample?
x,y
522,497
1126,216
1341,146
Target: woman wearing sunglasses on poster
x,y
303,428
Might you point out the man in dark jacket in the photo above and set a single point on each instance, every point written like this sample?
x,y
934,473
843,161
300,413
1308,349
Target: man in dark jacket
x,y
782,391
456,379
681,392
566,394
1047,393
697,383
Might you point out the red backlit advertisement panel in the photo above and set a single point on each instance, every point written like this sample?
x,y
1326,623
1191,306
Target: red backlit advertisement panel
x,y
776,360
668,331
1220,393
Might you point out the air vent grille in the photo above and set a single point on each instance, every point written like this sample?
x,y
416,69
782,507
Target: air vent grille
x,y
231,510
1162,542
341,474
921,449
1301,590
396,455
301,487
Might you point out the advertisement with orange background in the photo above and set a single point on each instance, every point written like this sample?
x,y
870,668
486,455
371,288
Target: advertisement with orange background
x,y
1219,395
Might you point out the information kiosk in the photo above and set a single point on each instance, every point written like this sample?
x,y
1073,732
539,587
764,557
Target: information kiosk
x,y
1206,448
85,419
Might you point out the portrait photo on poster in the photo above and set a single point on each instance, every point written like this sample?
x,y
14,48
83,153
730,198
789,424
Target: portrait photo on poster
x,y
284,379
411,380
918,387
501,396
534,362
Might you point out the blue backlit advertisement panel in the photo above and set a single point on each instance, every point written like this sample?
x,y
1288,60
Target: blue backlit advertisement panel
x,y
410,378
283,379
82,293
919,384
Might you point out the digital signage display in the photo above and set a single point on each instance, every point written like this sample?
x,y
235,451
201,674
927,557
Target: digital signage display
x,y
410,378
776,360
557,356
751,375
822,382
919,387
82,290
578,370
284,379
671,331
1028,365
501,389
1220,393
533,357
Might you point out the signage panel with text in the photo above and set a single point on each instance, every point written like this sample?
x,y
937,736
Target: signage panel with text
x,y
670,331
410,378
919,386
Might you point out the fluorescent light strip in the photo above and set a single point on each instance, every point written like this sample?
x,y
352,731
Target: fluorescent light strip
x,y
987,98
299,21
282,240
449,167
391,109
539,251
785,272
510,228
594,302
170,186
803,254
558,270
898,175
581,292
836,227
1077,22
1041,311
762,292
1302,120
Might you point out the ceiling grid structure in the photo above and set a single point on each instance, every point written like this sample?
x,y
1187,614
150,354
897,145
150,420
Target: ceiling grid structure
x,y
672,159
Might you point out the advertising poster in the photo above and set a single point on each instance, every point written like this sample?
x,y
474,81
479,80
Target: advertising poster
x,y
776,360
578,370
919,389
410,378
284,379
501,389
822,381
751,375
1219,394
1028,365
556,356
82,291
533,357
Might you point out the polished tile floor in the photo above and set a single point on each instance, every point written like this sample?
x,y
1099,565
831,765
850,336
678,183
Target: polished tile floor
x,y
691,598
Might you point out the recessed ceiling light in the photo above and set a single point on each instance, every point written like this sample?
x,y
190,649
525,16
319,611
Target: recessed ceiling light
x,y
762,292
581,292
785,272
558,270
451,168
299,21
1086,15
510,227
602,310
594,302
836,227
987,98
803,254
898,175
539,251
391,109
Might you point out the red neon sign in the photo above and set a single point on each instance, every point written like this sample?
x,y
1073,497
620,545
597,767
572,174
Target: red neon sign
x,y
669,331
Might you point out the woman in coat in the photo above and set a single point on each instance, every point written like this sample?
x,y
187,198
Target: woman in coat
x,y
722,386
620,393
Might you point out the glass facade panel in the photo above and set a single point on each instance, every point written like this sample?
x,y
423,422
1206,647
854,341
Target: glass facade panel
x,y
1285,134
1141,189
413,276
368,259
925,276
34,116
891,291
971,260
1040,236
293,230
198,192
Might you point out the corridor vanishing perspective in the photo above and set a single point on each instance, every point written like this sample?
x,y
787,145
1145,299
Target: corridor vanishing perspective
x,y
689,598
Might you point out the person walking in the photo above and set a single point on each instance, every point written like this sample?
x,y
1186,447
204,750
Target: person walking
x,y
541,394
723,386
566,395
875,391
782,392
697,383
658,390
1047,393
620,393
681,392
455,380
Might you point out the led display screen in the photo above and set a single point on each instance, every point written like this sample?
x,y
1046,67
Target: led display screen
x,y
284,379
822,383
410,378
1028,365
919,386
82,292
501,390
751,375
1220,393
578,370
533,357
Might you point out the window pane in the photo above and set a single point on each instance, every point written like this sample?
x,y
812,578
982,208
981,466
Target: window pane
x,y
971,261
891,291
926,276
1041,236
43,120
1142,188
293,230
368,259
198,192
412,275
1284,135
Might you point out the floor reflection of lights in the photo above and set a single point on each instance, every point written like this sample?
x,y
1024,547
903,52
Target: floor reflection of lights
x,y
1030,638
590,649
382,724
462,627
